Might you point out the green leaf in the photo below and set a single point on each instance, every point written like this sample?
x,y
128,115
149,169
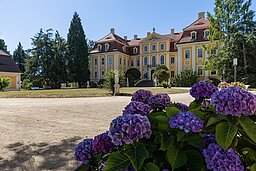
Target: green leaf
x,y
196,141
176,157
249,127
166,141
214,120
253,167
137,153
151,167
250,153
171,111
198,113
180,135
225,133
194,105
117,161
161,118
195,160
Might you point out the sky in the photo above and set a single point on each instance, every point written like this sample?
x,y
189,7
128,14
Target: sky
x,y
22,19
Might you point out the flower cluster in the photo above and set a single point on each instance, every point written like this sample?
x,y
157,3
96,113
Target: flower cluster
x,y
135,107
208,139
186,121
182,106
223,85
234,101
142,96
84,151
159,101
202,89
217,158
102,143
129,128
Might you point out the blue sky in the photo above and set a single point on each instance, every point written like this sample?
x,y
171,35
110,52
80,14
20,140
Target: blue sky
x,y
22,19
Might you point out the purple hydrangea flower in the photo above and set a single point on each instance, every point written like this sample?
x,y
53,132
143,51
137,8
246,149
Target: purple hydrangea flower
x,y
135,107
129,128
84,151
234,101
142,96
208,139
182,106
102,143
217,158
159,101
202,89
187,122
165,170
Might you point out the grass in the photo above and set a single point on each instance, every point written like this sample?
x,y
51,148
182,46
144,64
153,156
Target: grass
x,y
83,92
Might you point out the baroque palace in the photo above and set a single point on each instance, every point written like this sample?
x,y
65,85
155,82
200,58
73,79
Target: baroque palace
x,y
178,51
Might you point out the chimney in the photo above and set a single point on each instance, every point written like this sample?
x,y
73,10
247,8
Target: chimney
x,y
172,31
148,33
125,37
201,15
135,37
112,30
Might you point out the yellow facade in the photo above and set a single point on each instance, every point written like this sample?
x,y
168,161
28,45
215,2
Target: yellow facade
x,y
14,80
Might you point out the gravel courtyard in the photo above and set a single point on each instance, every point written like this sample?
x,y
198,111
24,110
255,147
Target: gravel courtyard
x,y
41,134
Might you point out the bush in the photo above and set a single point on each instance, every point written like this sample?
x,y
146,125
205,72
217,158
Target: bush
x,y
92,84
27,83
100,83
4,83
185,79
239,84
110,80
207,135
214,81
164,84
161,74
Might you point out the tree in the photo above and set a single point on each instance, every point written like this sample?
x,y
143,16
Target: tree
x,y
2,45
78,52
91,44
233,26
109,80
161,73
133,75
19,57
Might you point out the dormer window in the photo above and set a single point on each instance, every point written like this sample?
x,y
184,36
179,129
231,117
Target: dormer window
x,y
206,34
99,47
134,50
106,47
124,48
193,35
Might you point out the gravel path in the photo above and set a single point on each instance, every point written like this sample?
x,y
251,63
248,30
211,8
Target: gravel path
x,y
41,134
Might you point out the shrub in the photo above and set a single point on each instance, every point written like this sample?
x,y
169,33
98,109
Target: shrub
x,y
161,73
27,83
4,83
110,80
100,83
185,79
215,135
92,84
238,84
214,81
164,84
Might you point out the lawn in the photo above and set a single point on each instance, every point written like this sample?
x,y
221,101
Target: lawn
x,y
83,92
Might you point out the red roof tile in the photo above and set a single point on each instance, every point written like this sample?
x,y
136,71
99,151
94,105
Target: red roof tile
x,y
200,23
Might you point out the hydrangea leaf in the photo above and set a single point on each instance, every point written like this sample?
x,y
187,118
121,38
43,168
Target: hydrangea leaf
x,y
137,153
195,160
151,167
194,105
249,127
215,119
176,157
250,153
166,141
225,133
117,161
196,141
253,167
163,119
172,111
198,113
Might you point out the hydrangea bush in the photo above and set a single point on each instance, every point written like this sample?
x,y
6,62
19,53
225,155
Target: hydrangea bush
x,y
217,131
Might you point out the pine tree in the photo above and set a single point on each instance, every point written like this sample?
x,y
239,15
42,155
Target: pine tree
x,y
19,57
2,45
78,52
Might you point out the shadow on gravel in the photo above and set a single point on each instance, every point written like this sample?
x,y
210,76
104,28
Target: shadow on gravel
x,y
41,156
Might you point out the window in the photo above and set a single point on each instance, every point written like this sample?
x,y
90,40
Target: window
x,y
132,63
95,61
124,62
200,70
120,60
187,54
95,74
206,34
193,35
172,74
200,53
102,61
145,61
145,48
138,62
153,47
134,50
162,46
154,61
102,73
172,60
162,59
213,73
106,47
110,60
124,48
99,47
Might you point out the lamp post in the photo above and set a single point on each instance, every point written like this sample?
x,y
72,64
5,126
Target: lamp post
x,y
235,64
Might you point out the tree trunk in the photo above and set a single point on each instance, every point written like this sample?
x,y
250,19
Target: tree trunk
x,y
245,59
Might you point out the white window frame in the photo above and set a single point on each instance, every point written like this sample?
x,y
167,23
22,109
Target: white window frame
x,y
172,57
144,48
198,67
161,46
135,50
145,57
102,61
152,47
161,59
193,32
106,47
198,53
99,47
110,60
186,54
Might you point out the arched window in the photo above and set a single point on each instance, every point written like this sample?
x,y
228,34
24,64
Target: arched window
x,y
162,59
106,47
153,60
153,47
162,46
145,61
145,48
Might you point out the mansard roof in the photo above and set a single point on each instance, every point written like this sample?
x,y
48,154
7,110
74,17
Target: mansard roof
x,y
7,64
200,23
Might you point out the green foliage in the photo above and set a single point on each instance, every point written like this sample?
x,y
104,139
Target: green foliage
x,y
109,80
92,84
19,57
117,161
185,79
214,81
4,83
164,84
176,157
225,133
161,74
133,75
238,84
78,70
2,45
